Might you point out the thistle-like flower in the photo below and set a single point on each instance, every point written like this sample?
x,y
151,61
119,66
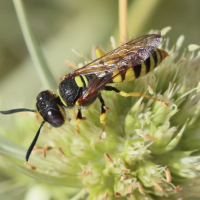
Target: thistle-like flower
x,y
148,150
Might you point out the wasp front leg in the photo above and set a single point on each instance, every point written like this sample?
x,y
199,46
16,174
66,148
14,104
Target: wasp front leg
x,y
133,94
103,114
79,118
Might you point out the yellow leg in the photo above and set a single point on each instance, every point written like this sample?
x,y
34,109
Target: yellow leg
x,y
79,118
139,94
132,94
103,115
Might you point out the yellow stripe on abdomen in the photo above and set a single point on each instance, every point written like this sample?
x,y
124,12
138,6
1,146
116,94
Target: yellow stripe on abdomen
x,y
152,63
130,75
118,78
159,58
143,69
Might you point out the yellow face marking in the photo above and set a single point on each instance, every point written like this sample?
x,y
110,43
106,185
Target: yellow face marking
x,y
118,78
79,82
158,57
64,103
152,63
130,75
85,80
77,103
143,69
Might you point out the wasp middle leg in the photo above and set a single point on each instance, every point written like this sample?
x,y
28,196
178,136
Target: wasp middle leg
x,y
133,94
79,118
103,114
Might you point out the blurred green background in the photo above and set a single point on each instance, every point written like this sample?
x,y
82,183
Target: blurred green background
x,y
65,24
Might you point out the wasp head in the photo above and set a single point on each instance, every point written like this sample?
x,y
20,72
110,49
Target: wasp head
x,y
48,105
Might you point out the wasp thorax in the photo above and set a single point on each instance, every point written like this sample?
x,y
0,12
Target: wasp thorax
x,y
50,109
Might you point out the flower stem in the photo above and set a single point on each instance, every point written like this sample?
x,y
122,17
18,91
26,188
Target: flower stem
x,y
122,21
34,47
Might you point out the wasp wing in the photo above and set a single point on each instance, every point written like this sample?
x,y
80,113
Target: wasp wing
x,y
134,52
137,50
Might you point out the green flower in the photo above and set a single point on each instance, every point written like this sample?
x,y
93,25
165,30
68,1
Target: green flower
x,y
145,141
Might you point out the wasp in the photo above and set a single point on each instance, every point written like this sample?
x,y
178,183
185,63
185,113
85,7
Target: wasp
x,y
82,87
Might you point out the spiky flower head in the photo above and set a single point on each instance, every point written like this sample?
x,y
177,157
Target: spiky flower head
x,y
148,150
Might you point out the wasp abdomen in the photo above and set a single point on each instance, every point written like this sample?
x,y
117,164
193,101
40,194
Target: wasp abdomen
x,y
135,71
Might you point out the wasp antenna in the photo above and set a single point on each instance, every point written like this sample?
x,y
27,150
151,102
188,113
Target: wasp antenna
x,y
16,110
33,143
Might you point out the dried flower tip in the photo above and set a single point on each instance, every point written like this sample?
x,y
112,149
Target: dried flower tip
x,y
105,196
41,148
83,197
168,176
71,64
126,171
193,47
35,147
117,194
61,152
130,190
44,151
88,173
84,171
108,158
140,188
125,177
177,189
128,195
157,186
37,152
141,133
30,165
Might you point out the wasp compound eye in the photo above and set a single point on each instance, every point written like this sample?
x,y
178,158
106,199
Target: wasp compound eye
x,y
49,108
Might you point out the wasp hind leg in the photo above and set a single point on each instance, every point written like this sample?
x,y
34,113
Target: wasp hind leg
x,y
79,118
132,94
103,114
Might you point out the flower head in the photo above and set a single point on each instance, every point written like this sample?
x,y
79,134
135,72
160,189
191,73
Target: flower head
x,y
148,148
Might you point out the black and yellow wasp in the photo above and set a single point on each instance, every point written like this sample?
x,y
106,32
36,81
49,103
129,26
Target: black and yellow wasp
x,y
83,86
